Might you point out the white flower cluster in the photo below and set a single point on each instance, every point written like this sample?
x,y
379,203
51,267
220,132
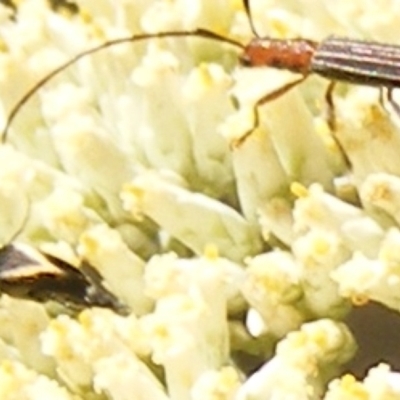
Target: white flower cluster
x,y
223,253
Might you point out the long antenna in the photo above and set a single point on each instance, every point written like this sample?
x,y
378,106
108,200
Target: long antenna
x,y
204,33
246,4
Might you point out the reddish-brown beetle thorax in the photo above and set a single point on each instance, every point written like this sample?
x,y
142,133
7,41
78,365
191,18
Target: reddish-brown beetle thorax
x,y
294,55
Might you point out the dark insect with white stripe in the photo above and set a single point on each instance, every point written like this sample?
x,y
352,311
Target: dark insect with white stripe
x,y
42,277
337,59
26,273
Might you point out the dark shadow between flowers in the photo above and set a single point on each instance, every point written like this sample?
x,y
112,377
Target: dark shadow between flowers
x,y
377,332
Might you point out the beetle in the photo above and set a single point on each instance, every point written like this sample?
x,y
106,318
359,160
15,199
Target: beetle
x,y
337,59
